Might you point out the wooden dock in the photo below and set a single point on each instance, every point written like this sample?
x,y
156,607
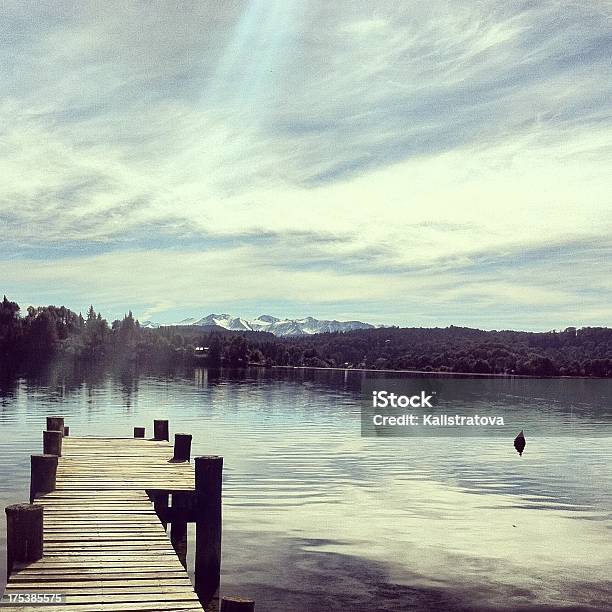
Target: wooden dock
x,y
105,504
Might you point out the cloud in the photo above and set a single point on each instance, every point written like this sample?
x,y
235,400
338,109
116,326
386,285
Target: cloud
x,y
519,289
328,151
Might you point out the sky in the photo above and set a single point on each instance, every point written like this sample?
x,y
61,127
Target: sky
x,y
412,163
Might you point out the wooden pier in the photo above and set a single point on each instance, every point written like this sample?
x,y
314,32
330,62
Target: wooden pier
x,y
95,530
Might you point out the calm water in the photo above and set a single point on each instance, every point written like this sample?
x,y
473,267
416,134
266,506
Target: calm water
x,y
317,517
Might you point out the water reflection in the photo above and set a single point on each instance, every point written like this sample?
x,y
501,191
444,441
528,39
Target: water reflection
x,y
318,517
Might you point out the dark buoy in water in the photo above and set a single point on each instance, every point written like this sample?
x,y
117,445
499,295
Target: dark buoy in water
x,y
519,443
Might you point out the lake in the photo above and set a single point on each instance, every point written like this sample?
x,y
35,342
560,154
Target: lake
x,y
318,517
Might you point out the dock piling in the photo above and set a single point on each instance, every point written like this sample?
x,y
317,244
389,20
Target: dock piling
x,y
178,530
43,474
237,604
52,443
55,424
182,447
208,487
160,504
24,535
160,430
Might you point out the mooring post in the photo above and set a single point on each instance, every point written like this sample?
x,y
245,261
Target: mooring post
x,y
55,424
139,432
237,604
208,486
52,443
160,504
24,534
178,531
160,430
66,431
182,447
43,474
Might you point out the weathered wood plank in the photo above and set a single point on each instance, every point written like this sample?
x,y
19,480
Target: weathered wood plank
x,y
95,574
58,586
107,589
120,607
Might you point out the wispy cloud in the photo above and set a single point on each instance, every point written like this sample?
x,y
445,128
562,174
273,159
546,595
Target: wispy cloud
x,y
423,162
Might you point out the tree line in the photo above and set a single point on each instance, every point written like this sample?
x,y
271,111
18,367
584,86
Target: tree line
x,y
47,332
572,352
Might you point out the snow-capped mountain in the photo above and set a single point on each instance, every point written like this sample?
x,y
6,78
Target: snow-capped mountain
x,y
149,324
226,321
274,325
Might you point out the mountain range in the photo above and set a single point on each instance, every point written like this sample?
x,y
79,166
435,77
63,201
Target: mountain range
x,y
268,323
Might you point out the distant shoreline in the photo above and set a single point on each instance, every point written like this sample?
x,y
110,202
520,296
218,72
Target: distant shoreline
x,y
424,372
50,331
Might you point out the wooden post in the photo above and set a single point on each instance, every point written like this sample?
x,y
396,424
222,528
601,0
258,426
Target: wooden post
x,y
237,604
43,474
139,432
52,443
24,534
178,531
160,430
160,504
208,486
66,431
55,424
182,447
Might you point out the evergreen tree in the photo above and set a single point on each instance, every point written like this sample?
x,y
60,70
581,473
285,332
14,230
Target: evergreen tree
x,y
214,352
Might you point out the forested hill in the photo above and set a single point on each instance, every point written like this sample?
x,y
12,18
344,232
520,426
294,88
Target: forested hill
x,y
572,352
39,334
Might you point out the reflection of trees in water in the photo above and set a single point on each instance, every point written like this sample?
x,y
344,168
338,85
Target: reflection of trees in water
x,y
66,376
128,379
8,388
57,379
